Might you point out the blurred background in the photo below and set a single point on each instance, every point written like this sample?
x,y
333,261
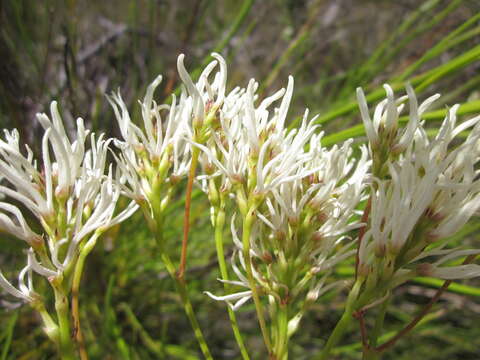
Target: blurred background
x,y
77,51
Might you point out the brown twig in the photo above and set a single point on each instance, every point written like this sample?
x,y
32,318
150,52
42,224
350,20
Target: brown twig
x,y
186,219
361,233
77,330
198,270
363,328
422,313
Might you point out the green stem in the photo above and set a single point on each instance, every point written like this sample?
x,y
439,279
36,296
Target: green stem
x,y
378,326
445,69
337,334
247,229
181,288
155,347
451,40
50,327
343,323
280,347
77,276
219,226
66,347
369,352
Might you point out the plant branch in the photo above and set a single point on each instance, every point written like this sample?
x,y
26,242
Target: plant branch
x,y
65,344
219,226
186,220
181,287
422,313
363,328
77,276
342,324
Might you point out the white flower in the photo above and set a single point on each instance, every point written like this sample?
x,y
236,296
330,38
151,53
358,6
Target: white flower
x,y
205,98
384,127
465,271
162,151
71,197
302,221
21,170
235,300
304,196
15,224
252,144
432,192
156,138
25,291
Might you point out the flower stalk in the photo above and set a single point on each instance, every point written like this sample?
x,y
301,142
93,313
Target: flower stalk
x,y
343,324
77,276
180,285
281,338
65,341
219,224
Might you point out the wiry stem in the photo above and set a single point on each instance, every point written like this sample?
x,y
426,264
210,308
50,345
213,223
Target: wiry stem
x,y
181,288
343,323
422,313
363,329
369,342
66,348
187,305
219,225
77,276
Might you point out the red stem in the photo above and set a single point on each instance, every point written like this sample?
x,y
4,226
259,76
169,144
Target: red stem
x,y
363,329
421,315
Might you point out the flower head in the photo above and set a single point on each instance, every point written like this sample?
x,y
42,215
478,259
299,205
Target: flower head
x,y
385,138
69,194
429,193
296,199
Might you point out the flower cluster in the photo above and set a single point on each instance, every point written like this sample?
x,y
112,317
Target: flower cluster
x,y
295,200
385,137
294,206
425,194
296,203
152,161
70,195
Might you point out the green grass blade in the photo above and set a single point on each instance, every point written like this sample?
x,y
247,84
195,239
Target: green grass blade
x,y
472,107
8,335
